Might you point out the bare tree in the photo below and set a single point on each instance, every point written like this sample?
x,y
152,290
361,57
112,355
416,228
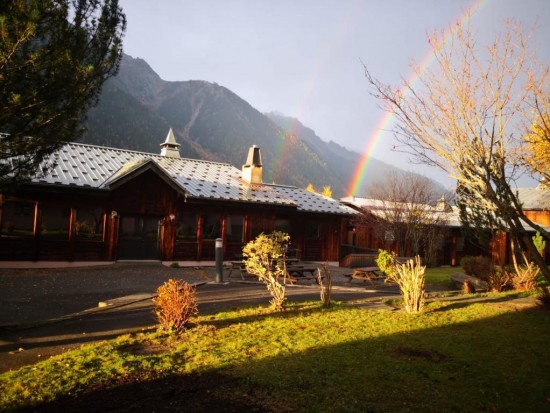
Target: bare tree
x,y
405,213
467,116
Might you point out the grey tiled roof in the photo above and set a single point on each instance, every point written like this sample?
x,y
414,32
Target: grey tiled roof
x,y
98,167
312,202
379,208
534,198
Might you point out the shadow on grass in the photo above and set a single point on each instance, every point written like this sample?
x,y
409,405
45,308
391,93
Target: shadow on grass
x,y
209,392
499,363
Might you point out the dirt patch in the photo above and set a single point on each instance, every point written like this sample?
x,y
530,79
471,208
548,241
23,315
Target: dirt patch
x,y
144,349
415,353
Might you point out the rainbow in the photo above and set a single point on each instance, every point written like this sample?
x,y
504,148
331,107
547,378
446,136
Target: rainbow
x,y
385,121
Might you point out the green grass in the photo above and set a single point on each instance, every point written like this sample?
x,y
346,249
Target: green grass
x,y
455,357
440,276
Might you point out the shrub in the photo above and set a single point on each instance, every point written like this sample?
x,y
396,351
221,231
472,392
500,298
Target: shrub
x,y
175,304
540,243
386,262
480,267
525,279
265,258
499,279
411,280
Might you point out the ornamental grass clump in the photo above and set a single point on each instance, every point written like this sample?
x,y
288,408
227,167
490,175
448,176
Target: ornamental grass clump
x,y
175,304
265,258
408,276
525,278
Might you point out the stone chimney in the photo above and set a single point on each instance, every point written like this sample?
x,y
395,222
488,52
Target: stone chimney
x,y
170,148
252,170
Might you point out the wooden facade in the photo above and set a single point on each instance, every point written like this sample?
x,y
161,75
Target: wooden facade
x,y
143,215
454,243
452,247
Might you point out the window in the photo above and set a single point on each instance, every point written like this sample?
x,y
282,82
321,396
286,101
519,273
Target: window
x,y
211,227
282,225
17,219
55,222
139,227
89,224
129,227
235,228
459,244
313,230
186,228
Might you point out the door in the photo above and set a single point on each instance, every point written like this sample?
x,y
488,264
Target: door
x,y
139,238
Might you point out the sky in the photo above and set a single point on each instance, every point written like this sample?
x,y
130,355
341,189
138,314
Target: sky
x,y
304,58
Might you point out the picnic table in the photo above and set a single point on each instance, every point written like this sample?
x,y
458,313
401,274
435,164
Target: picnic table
x,y
237,266
300,272
297,270
368,274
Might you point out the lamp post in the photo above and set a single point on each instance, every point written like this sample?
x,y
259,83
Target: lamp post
x,y
219,260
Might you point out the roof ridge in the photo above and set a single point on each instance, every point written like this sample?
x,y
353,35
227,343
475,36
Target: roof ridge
x,y
280,186
145,153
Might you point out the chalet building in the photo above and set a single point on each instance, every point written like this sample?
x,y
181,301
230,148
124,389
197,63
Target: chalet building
x,y
371,230
536,207
106,204
364,231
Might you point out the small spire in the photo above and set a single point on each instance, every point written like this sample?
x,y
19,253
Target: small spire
x,y
443,205
170,148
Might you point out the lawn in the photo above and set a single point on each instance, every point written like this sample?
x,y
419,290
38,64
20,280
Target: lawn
x,y
458,356
441,276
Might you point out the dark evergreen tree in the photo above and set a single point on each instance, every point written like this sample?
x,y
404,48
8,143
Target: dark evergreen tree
x,y
54,57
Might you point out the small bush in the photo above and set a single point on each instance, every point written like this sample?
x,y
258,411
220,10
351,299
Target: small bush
x,y
175,304
175,265
480,267
526,277
540,243
386,262
265,258
499,279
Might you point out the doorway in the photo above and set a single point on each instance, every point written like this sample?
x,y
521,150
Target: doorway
x,y
139,238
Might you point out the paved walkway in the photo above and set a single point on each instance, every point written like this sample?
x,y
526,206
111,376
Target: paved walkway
x,y
44,312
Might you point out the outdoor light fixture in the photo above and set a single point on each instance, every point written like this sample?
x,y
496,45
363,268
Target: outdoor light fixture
x,y
114,214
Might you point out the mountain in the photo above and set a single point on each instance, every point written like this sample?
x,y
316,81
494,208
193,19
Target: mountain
x,y
137,108
340,162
